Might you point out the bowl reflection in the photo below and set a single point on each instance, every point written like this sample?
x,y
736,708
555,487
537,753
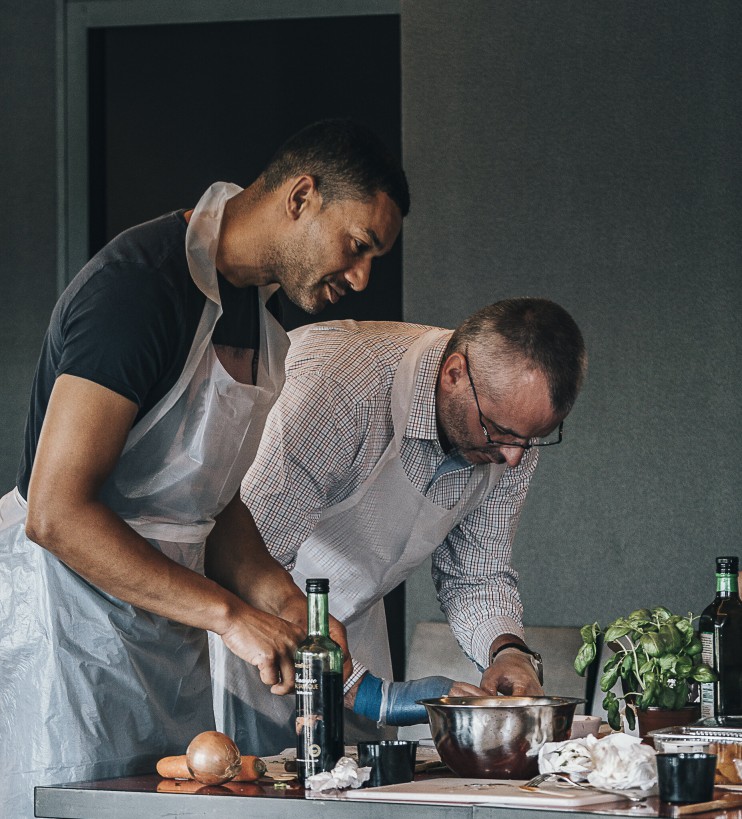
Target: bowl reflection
x,y
497,737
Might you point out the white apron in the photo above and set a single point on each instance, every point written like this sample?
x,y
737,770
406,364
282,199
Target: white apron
x,y
366,545
92,687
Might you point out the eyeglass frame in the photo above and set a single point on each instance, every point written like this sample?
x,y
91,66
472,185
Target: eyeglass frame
x,y
483,418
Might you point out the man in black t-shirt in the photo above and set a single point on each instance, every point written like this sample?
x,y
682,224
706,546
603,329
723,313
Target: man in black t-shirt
x,y
126,539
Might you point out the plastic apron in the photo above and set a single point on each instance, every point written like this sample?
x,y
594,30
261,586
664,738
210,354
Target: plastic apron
x,y
92,687
366,545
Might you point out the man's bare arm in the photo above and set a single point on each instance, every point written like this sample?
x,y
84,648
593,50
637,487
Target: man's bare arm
x,y
238,559
82,438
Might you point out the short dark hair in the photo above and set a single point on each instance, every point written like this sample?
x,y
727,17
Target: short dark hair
x,y
537,329
346,159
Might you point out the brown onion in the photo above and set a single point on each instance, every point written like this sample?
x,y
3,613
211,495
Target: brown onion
x,y
213,758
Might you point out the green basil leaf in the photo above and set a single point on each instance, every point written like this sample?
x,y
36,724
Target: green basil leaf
x,y
614,718
584,657
646,666
671,637
695,646
704,674
609,700
627,664
589,632
608,679
683,667
652,644
613,632
661,613
681,695
612,661
667,663
647,697
667,698
685,627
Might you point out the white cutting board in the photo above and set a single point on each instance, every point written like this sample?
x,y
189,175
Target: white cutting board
x,y
493,791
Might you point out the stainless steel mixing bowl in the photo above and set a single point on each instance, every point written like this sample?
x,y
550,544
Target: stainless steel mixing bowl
x,y
497,737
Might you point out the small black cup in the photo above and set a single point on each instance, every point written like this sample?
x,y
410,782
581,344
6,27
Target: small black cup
x,y
391,760
686,777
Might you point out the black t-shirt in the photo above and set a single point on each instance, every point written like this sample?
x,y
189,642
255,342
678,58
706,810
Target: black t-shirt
x,y
127,322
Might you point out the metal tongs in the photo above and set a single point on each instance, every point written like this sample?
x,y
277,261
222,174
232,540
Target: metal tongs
x,y
532,784
632,794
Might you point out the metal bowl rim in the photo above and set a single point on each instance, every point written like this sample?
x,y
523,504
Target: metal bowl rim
x,y
500,702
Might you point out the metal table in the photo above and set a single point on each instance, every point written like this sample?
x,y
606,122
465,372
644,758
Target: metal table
x,y
151,797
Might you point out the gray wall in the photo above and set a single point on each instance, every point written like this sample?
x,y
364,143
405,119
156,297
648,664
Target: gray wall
x,y
590,153
27,210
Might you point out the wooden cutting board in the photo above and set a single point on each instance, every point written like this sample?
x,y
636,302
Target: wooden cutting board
x,y
456,791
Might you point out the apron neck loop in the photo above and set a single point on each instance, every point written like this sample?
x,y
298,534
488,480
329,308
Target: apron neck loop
x,y
202,237
403,389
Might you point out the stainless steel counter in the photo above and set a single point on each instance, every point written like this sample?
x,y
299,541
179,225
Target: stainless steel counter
x,y
133,797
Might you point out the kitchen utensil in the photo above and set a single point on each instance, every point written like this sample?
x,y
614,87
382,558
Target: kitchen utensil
x,y
686,777
391,761
533,784
632,794
497,737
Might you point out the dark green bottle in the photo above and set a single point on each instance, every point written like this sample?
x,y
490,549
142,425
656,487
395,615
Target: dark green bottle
x,y
319,689
720,629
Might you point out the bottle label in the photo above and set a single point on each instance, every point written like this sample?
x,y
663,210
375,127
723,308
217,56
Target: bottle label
x,y
708,690
319,717
707,647
726,583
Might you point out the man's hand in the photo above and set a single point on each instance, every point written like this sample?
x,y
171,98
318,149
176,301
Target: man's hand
x,y
267,642
512,674
463,689
295,611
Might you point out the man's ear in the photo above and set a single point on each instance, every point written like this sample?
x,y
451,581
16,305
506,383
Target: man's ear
x,y
302,196
453,373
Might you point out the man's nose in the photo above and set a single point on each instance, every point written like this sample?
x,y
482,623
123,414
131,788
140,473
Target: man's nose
x,y
512,454
358,275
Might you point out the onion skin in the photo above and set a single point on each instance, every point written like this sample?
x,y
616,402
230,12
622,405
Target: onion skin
x,y
213,758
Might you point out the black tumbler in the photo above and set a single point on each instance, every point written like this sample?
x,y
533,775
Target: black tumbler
x,y
391,761
686,777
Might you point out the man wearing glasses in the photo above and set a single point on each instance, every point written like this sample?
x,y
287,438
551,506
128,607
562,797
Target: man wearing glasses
x,y
393,442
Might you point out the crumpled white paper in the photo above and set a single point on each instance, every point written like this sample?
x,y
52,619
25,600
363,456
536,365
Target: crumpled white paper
x,y
345,774
573,757
617,761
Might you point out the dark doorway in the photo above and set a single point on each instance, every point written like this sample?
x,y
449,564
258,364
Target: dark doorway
x,y
174,108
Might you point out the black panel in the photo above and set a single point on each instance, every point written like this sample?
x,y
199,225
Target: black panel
x,y
174,108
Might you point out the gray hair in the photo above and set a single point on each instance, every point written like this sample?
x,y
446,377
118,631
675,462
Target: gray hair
x,y
537,330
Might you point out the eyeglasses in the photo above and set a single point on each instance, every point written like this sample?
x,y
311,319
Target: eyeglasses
x,y
529,445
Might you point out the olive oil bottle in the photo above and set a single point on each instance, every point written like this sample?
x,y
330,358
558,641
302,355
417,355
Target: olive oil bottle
x,y
319,689
720,629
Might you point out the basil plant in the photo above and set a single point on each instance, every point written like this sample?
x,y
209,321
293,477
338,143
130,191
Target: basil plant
x,y
657,656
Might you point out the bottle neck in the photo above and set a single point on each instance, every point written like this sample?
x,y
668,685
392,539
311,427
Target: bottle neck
x,y
726,584
318,621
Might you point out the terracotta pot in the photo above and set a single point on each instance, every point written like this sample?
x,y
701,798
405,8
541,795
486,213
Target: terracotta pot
x,y
655,718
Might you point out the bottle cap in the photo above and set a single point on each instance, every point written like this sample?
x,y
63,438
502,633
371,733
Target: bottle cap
x,y
318,585
727,565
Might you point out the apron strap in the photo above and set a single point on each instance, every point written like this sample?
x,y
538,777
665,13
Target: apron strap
x,y
408,368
